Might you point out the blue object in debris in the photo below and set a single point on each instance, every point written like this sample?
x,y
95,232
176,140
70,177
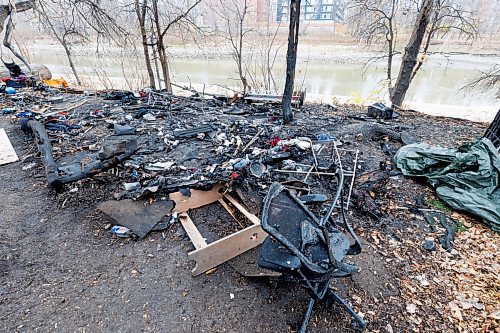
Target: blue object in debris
x,y
27,114
325,137
121,231
10,90
8,110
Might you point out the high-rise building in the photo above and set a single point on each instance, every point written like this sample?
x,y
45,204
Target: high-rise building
x,y
313,10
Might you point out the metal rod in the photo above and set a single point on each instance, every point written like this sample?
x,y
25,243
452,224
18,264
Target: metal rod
x,y
354,315
339,190
352,180
303,327
253,140
306,172
307,175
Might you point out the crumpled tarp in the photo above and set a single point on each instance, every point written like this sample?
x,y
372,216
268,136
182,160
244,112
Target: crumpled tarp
x,y
57,83
466,178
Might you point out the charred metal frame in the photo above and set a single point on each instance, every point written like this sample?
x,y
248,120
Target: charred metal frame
x,y
318,286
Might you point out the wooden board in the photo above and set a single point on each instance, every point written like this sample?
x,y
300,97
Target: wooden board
x,y
7,152
197,199
222,250
193,232
254,219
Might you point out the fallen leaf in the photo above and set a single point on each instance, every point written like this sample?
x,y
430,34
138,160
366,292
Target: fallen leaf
x,y
411,308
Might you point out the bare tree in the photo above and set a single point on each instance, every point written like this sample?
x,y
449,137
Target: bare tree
x,y
63,29
489,81
291,59
141,11
443,17
73,22
6,12
374,22
409,61
264,64
163,22
234,15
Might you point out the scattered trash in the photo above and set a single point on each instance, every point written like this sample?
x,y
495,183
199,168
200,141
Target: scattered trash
x,y
121,231
124,129
8,110
430,246
132,186
379,110
10,91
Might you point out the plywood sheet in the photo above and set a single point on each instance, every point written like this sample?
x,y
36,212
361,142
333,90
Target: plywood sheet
x,y
7,152
197,198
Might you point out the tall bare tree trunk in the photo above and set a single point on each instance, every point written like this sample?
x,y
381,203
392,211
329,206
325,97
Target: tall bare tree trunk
x,y
291,59
162,52
162,55
140,10
411,54
70,60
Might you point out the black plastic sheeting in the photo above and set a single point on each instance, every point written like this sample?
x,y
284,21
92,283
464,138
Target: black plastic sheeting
x,y
467,178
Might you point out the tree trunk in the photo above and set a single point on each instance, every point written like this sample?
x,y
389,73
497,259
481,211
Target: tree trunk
x,y
493,132
291,60
71,64
9,29
411,54
162,53
141,15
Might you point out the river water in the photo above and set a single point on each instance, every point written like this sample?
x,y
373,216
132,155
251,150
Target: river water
x,y
436,89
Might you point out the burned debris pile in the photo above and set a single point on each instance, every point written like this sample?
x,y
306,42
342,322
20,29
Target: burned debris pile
x,y
160,158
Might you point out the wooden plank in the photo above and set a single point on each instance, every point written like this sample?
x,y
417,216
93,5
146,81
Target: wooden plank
x,y
222,250
7,152
197,199
254,219
193,232
230,211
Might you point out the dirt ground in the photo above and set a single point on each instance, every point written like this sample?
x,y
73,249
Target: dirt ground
x,y
62,271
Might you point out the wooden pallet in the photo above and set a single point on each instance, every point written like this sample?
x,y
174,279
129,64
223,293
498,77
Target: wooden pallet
x,y
208,256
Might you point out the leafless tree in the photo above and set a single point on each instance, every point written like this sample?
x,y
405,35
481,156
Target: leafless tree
x,y
434,16
291,59
376,22
141,8
64,29
264,63
6,13
234,15
73,22
176,13
409,61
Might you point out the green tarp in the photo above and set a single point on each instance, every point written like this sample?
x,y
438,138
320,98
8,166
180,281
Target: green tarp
x,y
466,178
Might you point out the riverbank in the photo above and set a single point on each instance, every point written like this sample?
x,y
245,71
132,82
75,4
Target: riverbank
x,y
329,73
